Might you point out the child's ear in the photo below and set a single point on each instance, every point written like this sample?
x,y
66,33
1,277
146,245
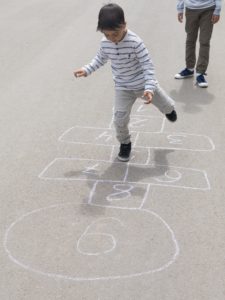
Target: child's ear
x,y
124,26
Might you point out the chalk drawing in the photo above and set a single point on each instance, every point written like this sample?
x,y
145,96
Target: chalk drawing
x,y
162,175
122,189
134,242
149,140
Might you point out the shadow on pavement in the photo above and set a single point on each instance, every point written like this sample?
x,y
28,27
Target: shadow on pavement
x,y
137,173
191,96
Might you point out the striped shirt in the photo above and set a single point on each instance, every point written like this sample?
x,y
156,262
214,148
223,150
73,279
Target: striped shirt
x,y
199,4
131,64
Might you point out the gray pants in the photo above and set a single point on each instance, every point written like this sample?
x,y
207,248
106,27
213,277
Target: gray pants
x,y
198,20
124,101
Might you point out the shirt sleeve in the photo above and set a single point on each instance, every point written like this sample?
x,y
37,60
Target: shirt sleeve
x,y
180,6
147,66
217,8
98,61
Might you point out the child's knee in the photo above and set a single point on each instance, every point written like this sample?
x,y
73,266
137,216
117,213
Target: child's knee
x,y
121,118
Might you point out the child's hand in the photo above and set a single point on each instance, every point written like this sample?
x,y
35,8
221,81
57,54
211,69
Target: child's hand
x,y
148,97
180,17
80,73
215,19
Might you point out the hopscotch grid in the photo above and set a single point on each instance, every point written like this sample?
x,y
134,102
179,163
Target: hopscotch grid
x,y
203,172
126,175
93,189
136,136
123,163
128,182
141,147
77,279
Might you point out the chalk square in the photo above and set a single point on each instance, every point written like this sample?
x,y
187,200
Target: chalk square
x,y
178,141
140,156
141,123
91,135
120,194
170,176
83,169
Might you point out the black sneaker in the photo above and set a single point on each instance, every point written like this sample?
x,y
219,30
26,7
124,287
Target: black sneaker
x,y
172,117
124,154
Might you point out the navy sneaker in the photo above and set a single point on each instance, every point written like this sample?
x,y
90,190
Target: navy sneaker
x,y
184,74
124,154
172,117
200,81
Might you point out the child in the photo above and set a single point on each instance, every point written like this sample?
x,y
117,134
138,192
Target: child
x,y
200,15
132,70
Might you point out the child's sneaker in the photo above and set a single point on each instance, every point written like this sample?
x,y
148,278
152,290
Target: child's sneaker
x,y
184,74
200,81
124,154
172,117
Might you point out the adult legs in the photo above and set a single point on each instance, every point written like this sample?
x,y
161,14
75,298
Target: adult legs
x,y
191,28
206,28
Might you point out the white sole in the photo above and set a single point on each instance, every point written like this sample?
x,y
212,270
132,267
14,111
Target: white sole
x,y
177,76
123,159
203,86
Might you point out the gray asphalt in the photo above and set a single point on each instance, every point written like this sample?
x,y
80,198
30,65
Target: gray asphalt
x,y
75,223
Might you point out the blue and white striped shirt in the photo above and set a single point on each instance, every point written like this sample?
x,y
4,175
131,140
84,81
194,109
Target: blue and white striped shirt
x,y
131,64
199,4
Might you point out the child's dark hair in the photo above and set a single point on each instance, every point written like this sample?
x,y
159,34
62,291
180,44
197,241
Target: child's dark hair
x,y
111,17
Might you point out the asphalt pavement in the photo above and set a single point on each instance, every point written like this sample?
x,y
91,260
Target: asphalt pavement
x,y
76,224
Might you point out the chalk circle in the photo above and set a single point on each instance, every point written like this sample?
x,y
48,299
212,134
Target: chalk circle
x,y
86,242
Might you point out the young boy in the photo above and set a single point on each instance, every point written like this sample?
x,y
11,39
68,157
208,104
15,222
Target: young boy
x,y
201,15
133,73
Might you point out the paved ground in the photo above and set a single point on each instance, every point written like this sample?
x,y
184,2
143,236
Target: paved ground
x,y
75,223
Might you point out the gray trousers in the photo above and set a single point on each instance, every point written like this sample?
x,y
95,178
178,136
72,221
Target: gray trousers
x,y
198,20
124,101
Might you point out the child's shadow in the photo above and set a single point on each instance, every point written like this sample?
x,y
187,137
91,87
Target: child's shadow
x,y
191,96
136,173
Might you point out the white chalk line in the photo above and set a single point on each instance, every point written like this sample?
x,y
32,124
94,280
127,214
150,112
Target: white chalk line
x,y
145,196
71,278
202,172
163,125
137,133
85,233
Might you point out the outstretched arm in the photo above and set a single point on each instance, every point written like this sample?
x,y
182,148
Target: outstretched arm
x,y
97,62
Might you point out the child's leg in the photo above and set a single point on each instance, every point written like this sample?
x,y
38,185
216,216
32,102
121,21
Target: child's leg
x,y
122,108
163,101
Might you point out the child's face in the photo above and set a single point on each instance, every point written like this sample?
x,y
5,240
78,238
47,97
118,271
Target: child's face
x,y
117,35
